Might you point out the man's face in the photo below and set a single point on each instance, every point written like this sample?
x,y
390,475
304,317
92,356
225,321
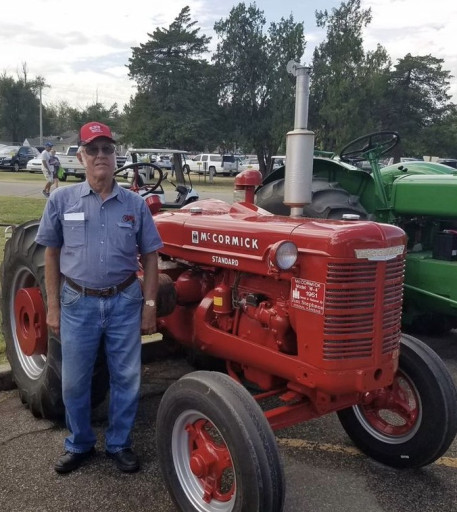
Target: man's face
x,y
98,157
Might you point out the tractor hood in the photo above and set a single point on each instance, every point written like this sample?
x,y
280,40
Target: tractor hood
x,y
243,236
425,195
416,167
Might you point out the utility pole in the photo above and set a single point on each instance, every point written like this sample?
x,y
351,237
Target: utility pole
x,y
41,83
41,117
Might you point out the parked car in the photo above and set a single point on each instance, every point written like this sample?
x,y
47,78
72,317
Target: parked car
x,y
120,160
68,161
249,163
152,156
71,165
16,157
34,165
164,162
213,163
384,162
231,164
451,162
278,161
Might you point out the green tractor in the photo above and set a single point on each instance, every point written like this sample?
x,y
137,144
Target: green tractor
x,y
418,196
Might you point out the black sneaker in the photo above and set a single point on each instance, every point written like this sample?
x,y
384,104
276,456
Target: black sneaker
x,y
126,460
70,461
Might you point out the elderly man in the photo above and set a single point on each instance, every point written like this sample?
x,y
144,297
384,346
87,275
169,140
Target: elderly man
x,y
93,232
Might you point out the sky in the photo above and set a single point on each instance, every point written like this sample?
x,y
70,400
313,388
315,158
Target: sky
x,y
82,48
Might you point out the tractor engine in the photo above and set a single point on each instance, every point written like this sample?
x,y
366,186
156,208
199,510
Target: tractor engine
x,y
307,305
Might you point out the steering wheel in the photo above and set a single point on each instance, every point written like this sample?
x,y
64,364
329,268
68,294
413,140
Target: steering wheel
x,y
378,142
148,187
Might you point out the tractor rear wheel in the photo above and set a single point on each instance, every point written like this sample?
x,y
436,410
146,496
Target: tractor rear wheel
x,y
33,352
413,422
216,449
329,200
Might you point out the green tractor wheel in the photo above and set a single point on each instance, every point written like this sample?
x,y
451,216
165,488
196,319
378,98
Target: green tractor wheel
x,y
329,200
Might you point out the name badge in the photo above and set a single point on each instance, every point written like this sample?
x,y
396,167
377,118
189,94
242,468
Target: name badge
x,y
74,216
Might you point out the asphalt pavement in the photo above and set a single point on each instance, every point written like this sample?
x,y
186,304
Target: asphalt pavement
x,y
324,472
6,381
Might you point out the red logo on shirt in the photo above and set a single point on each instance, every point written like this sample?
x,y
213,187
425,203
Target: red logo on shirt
x,y
129,218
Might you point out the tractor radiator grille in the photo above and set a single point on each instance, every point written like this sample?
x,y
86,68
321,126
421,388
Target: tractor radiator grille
x,y
362,300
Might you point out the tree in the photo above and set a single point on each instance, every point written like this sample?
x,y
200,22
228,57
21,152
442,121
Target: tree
x,y
19,108
417,99
256,94
62,118
176,101
347,84
97,112
438,139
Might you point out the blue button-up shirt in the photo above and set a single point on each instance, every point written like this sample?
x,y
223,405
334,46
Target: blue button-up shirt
x,y
99,240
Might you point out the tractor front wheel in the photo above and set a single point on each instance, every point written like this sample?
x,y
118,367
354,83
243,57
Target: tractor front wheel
x,y
216,449
34,353
413,422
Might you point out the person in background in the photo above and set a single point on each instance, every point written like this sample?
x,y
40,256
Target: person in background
x,y
54,163
93,232
47,169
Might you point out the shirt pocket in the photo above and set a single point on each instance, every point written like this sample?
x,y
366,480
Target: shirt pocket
x,y
127,235
74,232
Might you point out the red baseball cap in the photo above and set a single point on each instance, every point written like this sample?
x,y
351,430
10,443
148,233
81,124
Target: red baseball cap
x,y
94,130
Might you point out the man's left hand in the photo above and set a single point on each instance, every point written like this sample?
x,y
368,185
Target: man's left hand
x,y
149,320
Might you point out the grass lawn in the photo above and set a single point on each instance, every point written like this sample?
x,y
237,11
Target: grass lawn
x,y
16,210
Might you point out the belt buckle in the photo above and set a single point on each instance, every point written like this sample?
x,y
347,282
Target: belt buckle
x,y
108,292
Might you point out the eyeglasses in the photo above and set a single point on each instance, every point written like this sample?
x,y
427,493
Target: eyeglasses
x,y
93,150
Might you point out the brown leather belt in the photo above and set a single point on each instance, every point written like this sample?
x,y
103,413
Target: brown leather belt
x,y
102,292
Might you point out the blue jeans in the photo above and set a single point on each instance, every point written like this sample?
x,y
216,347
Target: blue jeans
x,y
85,320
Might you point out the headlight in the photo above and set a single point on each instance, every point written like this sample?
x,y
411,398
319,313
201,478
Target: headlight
x,y
283,255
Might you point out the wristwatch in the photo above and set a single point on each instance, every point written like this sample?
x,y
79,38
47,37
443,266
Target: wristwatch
x,y
150,302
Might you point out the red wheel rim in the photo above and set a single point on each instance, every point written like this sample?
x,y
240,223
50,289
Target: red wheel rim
x,y
30,317
210,461
394,411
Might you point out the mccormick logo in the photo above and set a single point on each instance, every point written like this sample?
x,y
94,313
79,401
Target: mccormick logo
x,y
383,254
202,237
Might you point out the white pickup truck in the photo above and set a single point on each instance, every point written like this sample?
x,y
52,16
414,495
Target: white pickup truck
x,y
69,161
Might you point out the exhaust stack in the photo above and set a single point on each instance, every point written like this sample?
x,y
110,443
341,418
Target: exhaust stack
x,y
299,146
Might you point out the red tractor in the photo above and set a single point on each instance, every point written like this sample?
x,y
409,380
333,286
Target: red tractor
x,y
306,312
309,312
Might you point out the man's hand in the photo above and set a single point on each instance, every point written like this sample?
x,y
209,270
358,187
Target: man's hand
x,y
149,320
53,319
150,286
52,283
